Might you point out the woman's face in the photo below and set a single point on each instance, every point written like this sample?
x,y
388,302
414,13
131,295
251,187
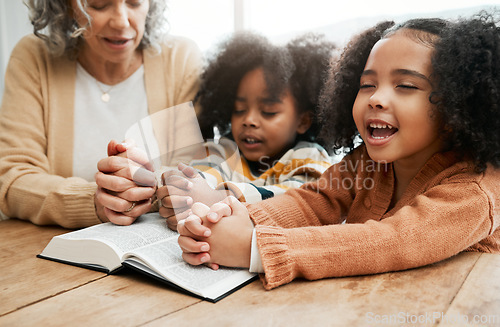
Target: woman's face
x,y
116,28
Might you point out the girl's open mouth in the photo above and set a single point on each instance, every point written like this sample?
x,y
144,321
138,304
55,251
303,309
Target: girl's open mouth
x,y
380,131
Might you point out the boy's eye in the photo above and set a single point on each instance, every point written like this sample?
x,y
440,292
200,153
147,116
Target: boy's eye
x,y
268,113
365,86
237,111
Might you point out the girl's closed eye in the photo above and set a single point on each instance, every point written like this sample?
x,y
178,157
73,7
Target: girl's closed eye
x,y
407,86
366,86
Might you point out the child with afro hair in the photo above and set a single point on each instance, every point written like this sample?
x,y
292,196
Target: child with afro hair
x,y
263,99
422,98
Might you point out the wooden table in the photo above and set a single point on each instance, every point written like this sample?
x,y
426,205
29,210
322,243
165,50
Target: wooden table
x,y
37,292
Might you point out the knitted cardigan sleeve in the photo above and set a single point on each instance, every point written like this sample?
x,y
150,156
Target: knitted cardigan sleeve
x,y
29,187
36,182
442,221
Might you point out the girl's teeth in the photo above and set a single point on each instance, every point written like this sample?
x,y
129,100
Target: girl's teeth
x,y
377,125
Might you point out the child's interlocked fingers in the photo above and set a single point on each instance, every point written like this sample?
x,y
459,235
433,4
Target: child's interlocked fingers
x,y
206,238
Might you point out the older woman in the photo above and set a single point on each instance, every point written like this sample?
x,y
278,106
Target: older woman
x,y
92,70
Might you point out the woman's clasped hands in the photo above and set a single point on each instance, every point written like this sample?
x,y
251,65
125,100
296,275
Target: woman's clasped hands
x,y
217,235
126,184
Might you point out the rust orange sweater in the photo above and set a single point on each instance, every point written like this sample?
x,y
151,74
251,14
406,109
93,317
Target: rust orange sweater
x,y
446,209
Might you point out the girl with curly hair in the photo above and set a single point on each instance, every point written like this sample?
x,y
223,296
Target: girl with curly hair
x,y
91,70
263,99
423,99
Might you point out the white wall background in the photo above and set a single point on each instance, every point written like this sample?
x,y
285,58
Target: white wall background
x,y
209,21
14,24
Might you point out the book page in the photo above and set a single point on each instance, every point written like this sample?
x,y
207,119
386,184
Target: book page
x,y
165,258
147,229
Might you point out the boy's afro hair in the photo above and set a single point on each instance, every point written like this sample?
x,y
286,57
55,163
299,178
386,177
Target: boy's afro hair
x,y
301,66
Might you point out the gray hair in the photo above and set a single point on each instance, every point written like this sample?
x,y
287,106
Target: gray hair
x,y
52,23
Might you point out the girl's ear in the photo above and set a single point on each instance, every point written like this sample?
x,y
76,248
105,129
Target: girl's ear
x,y
305,121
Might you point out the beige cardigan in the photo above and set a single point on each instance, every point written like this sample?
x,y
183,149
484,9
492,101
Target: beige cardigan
x,y
36,127
446,209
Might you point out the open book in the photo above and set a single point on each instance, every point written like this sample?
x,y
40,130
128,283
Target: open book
x,y
148,246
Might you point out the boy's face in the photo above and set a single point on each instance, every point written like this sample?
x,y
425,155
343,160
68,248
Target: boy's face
x,y
264,128
392,110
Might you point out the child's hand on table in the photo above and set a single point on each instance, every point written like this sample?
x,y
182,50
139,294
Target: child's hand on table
x,y
219,235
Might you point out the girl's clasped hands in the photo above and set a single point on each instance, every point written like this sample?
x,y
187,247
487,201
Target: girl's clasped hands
x,y
220,234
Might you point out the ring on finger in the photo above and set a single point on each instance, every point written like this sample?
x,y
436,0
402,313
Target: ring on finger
x,y
131,207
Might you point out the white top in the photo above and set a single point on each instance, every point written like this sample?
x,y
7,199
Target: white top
x,y
97,122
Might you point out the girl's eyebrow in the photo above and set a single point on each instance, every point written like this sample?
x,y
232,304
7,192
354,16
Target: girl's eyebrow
x,y
411,73
368,72
399,72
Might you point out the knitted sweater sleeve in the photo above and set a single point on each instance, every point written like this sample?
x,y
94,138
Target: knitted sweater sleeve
x,y
434,225
29,186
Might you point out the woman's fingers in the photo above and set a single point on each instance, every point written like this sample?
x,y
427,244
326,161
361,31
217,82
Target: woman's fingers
x,y
113,148
140,157
121,202
123,187
127,169
118,218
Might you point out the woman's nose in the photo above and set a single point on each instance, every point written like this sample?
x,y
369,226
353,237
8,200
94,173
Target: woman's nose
x,y
120,17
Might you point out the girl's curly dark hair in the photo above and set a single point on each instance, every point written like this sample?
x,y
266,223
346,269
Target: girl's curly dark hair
x,y
466,85
466,65
300,66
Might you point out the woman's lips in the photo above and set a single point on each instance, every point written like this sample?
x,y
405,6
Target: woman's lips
x,y
117,43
